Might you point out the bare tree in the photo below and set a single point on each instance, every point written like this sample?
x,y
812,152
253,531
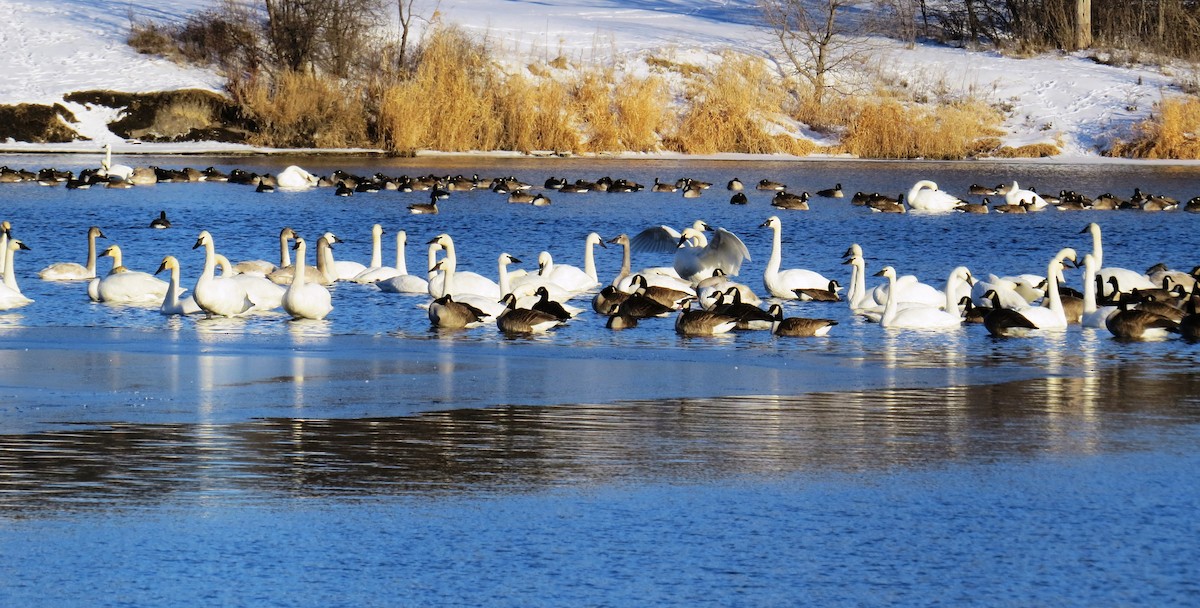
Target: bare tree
x,y
329,34
815,37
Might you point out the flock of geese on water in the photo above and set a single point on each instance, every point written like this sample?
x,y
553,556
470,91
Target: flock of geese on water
x,y
698,288
924,195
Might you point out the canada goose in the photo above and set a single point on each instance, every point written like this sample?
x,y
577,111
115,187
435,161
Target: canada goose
x,y
161,222
554,183
748,316
619,319
971,312
661,187
640,306
1019,208
548,306
925,196
429,208
692,190
1004,322
540,200
343,189
786,200
884,204
521,197
1134,324
766,184
812,294
981,190
1189,326
1162,309
1193,205
735,185
608,299
264,187
702,322
671,298
798,326
515,320
739,198
972,208
834,192
445,313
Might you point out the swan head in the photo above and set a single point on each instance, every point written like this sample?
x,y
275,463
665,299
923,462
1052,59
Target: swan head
x,y
168,262
300,243
5,226
701,226
1067,254
15,245
506,259
620,239
203,239
594,239
113,251
1093,228
887,272
772,222
854,250
95,233
376,230
329,236
544,261
287,233
964,274
442,240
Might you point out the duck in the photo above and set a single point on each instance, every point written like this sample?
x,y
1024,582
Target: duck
x,y
172,304
925,196
10,293
304,300
161,222
783,284
702,322
913,316
218,295
798,327
403,282
72,271
124,286
514,320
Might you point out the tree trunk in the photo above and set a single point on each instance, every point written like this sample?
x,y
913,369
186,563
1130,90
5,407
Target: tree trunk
x,y
1083,24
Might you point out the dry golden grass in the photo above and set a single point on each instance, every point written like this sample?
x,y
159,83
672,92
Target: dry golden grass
x,y
303,110
731,110
1041,150
640,113
1173,132
180,117
890,129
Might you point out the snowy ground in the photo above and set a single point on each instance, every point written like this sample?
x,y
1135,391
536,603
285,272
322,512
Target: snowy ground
x,y
55,47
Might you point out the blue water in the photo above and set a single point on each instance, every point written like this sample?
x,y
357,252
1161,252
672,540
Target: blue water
x,y
369,461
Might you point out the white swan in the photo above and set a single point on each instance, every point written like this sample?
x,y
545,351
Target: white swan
x,y
925,196
343,270
1052,317
282,275
1095,317
295,178
305,300
5,230
1004,289
488,305
464,282
782,284
109,170
571,278
375,270
913,317
527,285
403,282
697,262
171,304
220,296
1126,278
661,277
124,286
265,294
909,290
1016,196
10,294
72,271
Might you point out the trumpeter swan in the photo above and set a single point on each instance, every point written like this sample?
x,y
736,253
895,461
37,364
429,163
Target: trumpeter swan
x,y
109,170
1050,317
171,304
265,294
125,286
487,304
925,196
343,270
375,270
220,296
304,300
913,317
1128,279
71,271
573,279
10,293
295,178
403,282
782,284
282,274
1094,316
1015,195
464,281
663,277
696,262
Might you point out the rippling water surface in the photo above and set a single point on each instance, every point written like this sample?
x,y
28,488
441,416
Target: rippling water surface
x,y
366,460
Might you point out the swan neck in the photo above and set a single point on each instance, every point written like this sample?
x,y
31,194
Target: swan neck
x,y
1097,247
503,274
91,256
889,307
433,249
589,261
1052,288
1089,288
10,275
298,277
776,253
376,251
285,254
172,298
625,264
210,260
401,265
3,251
